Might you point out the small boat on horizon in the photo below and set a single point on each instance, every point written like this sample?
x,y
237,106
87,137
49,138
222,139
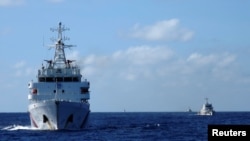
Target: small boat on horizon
x,y
189,109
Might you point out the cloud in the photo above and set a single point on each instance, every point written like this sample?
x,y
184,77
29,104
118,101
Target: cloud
x,y
129,64
5,31
55,1
11,2
146,63
21,69
151,64
160,73
143,55
143,73
218,60
19,64
6,3
167,30
73,55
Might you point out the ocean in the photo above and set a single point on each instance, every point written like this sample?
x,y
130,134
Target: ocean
x,y
124,126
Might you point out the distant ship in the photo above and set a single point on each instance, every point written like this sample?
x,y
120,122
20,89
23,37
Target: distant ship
x,y
207,109
59,97
189,109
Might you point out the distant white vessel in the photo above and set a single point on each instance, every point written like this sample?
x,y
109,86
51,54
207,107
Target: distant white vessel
x,y
59,97
207,109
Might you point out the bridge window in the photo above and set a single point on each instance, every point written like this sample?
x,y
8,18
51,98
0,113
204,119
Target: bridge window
x,y
84,90
59,79
58,71
49,79
75,79
41,79
67,79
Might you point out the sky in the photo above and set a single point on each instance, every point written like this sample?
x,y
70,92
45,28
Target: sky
x,y
139,56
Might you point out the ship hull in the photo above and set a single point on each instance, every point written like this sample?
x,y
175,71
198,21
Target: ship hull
x,y
57,115
206,113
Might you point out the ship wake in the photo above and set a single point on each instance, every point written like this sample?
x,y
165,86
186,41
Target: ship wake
x,y
15,127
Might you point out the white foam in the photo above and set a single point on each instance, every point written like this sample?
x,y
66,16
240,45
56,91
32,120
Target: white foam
x,y
18,127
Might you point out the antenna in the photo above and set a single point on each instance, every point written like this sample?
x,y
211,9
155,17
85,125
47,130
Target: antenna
x,y
43,40
60,29
59,60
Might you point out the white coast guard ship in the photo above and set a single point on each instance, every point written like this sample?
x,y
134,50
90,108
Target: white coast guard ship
x,y
59,97
207,109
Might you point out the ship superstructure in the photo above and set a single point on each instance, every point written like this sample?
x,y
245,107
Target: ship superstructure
x,y
59,97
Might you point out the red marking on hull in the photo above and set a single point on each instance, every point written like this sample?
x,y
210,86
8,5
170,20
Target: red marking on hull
x,y
33,122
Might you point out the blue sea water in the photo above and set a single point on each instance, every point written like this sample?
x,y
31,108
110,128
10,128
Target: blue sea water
x,y
124,126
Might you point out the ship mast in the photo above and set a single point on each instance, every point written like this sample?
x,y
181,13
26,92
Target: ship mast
x,y
59,57
206,100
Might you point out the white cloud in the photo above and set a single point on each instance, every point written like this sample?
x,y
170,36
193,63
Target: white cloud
x,y
226,60
218,60
73,55
158,72
55,1
21,69
21,2
167,30
5,31
142,55
143,63
20,64
97,66
149,72
129,64
11,2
